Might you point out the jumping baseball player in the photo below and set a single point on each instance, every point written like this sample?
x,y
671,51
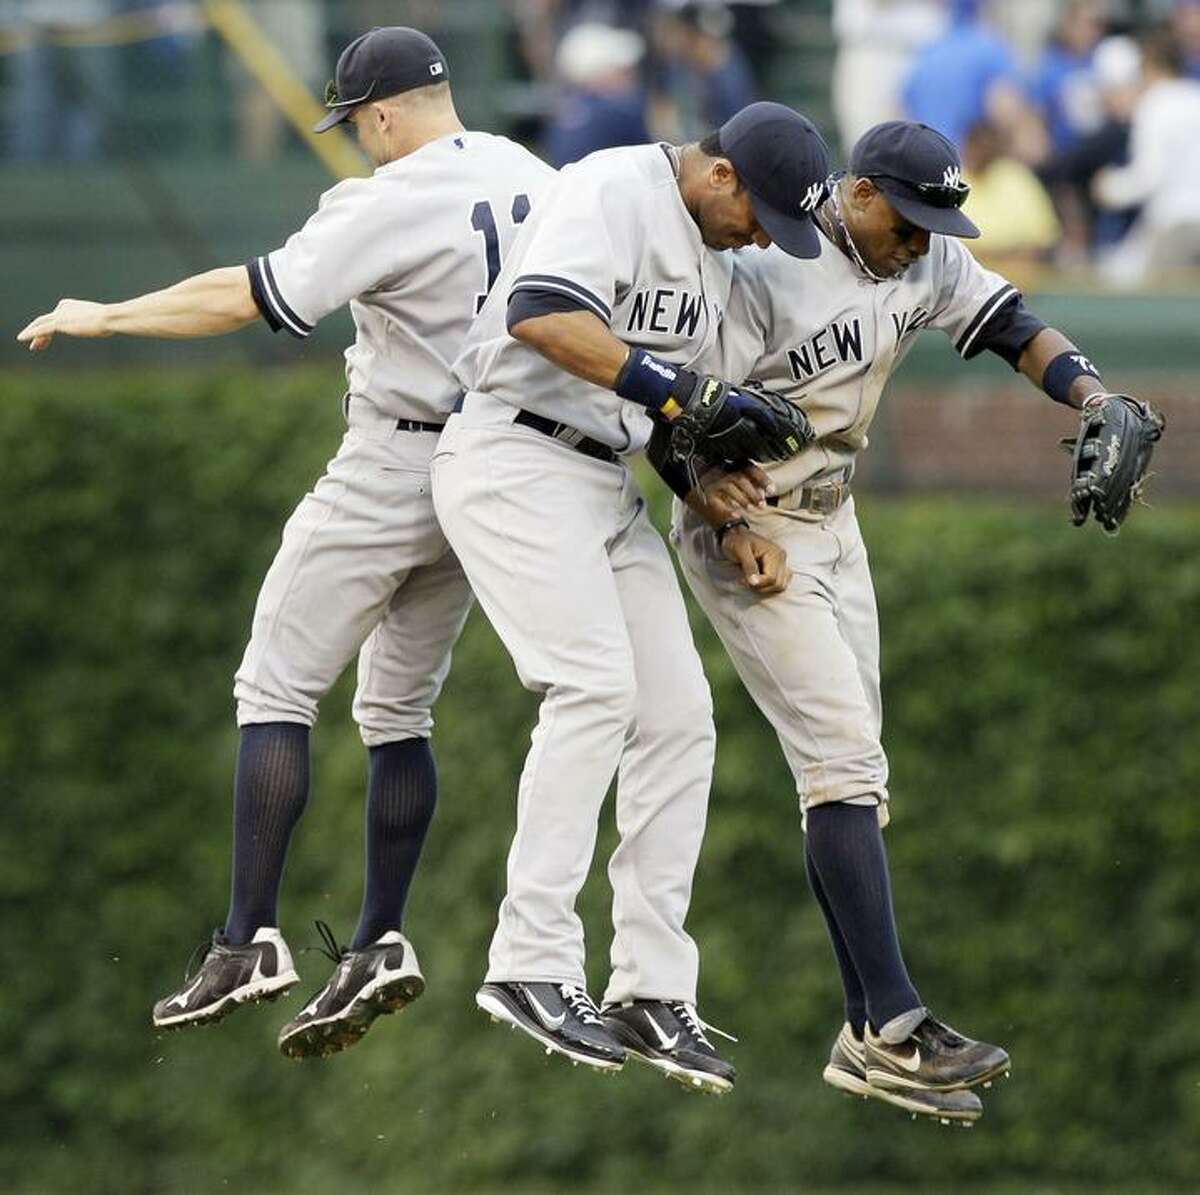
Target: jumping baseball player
x,y
616,282
827,333
363,563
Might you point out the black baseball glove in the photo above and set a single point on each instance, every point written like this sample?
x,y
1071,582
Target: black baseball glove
x,y
1109,457
731,426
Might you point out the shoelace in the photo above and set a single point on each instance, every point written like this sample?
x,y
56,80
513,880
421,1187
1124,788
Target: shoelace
x,y
190,970
580,1003
328,945
694,1025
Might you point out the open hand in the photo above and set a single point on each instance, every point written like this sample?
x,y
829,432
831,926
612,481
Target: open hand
x,y
71,317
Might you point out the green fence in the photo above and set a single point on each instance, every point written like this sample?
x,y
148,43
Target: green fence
x,y
1042,713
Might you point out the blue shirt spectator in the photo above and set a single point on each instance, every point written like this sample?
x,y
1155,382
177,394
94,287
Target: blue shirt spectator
x,y
1062,85
585,121
951,79
601,101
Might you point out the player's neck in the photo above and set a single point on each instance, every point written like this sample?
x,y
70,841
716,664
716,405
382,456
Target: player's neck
x,y
831,218
416,134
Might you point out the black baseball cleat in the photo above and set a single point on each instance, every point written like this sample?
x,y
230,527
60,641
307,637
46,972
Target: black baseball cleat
x,y
847,1072
378,979
229,976
933,1057
668,1035
561,1016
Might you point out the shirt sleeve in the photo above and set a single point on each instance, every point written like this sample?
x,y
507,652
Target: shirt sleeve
x,y
341,252
584,245
968,297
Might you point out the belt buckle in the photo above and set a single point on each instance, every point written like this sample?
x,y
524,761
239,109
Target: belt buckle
x,y
570,436
826,498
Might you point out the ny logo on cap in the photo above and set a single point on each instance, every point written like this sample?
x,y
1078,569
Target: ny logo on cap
x,y
436,68
952,177
812,197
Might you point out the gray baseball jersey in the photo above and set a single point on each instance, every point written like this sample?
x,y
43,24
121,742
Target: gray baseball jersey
x,y
611,234
827,337
822,334
414,249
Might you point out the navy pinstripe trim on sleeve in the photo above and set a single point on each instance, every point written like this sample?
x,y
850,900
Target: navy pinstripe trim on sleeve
x,y
260,299
1004,295
271,303
529,304
567,287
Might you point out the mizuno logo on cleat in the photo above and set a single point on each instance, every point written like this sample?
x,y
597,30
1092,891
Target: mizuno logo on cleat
x,y
183,996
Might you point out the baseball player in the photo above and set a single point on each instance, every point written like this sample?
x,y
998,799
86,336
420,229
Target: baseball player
x,y
828,333
616,282
362,562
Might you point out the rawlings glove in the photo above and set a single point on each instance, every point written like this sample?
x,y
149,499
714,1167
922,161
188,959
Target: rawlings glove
x,y
1110,456
731,426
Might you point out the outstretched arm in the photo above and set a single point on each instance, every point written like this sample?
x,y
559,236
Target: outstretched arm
x,y
208,304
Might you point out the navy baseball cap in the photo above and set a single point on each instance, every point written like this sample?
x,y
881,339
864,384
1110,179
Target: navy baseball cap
x,y
783,162
919,171
380,63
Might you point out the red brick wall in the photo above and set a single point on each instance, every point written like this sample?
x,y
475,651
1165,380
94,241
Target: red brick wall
x,y
1005,440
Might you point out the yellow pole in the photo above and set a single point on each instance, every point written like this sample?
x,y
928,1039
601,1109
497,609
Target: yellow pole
x,y
233,22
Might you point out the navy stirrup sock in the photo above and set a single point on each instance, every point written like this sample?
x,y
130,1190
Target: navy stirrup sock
x,y
852,988
845,848
401,796
270,791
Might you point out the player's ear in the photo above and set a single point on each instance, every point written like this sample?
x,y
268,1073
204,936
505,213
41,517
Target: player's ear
x,y
862,192
722,175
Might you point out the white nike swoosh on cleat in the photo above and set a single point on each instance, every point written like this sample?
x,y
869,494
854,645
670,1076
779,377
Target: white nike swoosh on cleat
x,y
546,1019
667,1043
912,1063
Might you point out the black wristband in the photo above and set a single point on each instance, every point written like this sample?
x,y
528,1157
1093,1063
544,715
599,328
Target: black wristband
x,y
1061,373
652,382
726,527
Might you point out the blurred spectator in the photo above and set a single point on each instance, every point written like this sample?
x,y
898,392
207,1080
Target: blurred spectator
x,y
49,113
1163,174
296,30
1185,22
541,25
1116,74
969,75
1062,85
1011,207
602,102
707,76
877,41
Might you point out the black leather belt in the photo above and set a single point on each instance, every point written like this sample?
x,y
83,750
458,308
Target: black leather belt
x,y
567,435
418,425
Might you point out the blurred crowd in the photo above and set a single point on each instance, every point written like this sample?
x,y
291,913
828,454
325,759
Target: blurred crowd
x,y
1078,120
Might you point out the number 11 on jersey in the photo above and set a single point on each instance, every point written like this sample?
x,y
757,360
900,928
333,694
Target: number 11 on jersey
x,y
483,220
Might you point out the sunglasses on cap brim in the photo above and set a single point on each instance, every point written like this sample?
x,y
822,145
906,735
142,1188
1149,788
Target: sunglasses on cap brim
x,y
332,100
935,194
